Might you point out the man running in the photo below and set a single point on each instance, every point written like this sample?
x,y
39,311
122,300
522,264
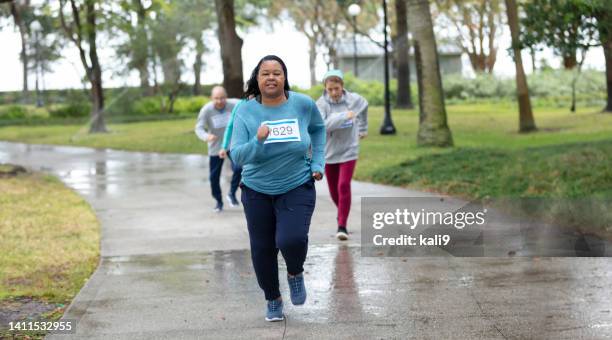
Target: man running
x,y
210,128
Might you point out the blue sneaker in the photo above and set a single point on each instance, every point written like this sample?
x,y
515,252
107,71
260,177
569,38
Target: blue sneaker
x,y
275,311
297,289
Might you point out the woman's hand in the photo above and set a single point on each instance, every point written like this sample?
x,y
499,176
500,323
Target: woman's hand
x,y
263,132
317,176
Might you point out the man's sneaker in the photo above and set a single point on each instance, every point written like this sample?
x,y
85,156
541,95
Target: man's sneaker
x,y
297,289
218,207
233,202
275,311
342,234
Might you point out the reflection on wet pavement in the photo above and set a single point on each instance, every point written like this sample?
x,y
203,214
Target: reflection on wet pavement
x,y
171,268
434,298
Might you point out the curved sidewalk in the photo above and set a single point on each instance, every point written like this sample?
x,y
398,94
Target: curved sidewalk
x,y
172,268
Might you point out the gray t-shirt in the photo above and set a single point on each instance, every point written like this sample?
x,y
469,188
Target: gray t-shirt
x,y
214,121
342,143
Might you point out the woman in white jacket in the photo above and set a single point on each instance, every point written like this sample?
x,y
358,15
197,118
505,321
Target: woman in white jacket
x,y
346,122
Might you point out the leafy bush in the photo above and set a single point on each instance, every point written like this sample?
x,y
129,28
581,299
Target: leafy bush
x,y
147,106
554,88
190,104
551,87
553,84
71,110
482,86
9,97
73,96
132,103
13,112
119,103
373,91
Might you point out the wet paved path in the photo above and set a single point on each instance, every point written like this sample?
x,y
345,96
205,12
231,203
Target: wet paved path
x,y
171,268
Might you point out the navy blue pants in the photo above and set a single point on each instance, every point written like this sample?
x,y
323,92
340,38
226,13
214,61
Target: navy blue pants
x,y
216,164
278,222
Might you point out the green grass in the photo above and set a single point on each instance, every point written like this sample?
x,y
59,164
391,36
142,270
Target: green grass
x,y
488,155
49,242
159,136
560,171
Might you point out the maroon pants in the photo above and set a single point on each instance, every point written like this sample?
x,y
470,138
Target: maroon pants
x,y
339,182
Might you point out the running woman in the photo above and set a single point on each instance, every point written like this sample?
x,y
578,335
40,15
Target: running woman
x,y
346,122
279,139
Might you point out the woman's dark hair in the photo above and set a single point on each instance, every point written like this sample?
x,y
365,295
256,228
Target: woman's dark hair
x,y
253,86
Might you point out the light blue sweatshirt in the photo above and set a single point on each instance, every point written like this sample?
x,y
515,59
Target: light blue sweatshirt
x,y
230,126
284,160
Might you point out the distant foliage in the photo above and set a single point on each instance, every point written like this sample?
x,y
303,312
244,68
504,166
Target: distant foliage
x,y
482,86
13,112
71,110
187,105
555,83
147,106
550,87
373,91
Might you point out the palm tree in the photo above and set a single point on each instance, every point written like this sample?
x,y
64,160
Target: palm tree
x,y
433,128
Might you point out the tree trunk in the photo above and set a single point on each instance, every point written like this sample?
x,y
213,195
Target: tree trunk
x,y
433,127
333,56
197,67
526,120
577,72
143,73
141,55
477,61
154,63
569,61
532,53
173,96
38,72
404,96
170,70
607,47
97,92
92,67
140,58
491,59
231,48
312,59
19,22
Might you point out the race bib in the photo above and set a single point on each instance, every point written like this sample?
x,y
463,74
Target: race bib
x,y
283,131
347,124
219,121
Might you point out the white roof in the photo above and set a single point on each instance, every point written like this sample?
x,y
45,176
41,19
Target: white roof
x,y
367,48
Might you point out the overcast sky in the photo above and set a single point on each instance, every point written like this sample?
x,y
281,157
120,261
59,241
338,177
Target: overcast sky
x,y
282,40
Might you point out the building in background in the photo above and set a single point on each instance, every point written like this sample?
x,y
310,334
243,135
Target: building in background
x,y
370,59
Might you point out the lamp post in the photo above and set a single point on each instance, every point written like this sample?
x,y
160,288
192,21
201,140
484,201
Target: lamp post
x,y
354,11
387,127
